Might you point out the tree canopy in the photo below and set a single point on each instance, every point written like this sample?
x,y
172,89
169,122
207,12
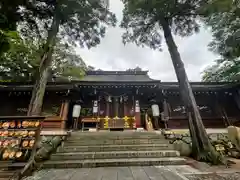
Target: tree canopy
x,y
79,19
222,70
223,17
10,15
20,62
81,23
141,19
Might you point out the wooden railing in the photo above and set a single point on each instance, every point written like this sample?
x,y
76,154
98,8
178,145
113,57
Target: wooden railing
x,y
54,122
57,122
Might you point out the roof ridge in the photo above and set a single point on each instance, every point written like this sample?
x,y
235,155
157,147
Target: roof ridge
x,y
117,73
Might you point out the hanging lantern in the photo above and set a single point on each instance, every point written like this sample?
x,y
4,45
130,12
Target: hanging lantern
x,y
137,106
76,111
95,107
109,99
155,110
131,113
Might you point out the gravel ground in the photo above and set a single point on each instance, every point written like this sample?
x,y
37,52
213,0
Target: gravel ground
x,y
227,176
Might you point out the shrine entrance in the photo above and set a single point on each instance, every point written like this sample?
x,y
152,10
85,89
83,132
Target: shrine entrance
x,y
111,112
112,100
115,109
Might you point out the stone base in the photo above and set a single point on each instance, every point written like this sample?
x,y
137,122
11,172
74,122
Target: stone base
x,y
140,129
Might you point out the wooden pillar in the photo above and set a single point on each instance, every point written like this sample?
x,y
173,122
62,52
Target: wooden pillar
x,y
237,98
65,107
221,110
61,110
165,115
107,106
116,107
125,106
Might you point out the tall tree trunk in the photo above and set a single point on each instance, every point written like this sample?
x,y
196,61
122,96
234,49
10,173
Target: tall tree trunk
x,y
38,92
201,146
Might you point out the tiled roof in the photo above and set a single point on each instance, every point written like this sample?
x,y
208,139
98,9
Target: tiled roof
x,y
117,76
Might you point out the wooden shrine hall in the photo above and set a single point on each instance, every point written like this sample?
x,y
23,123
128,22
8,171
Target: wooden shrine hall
x,y
123,100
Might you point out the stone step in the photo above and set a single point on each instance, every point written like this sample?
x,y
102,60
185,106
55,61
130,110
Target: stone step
x,y
113,137
11,166
114,162
6,174
116,132
114,154
104,148
8,169
114,141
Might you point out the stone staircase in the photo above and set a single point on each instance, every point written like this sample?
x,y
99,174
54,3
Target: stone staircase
x,y
108,149
9,169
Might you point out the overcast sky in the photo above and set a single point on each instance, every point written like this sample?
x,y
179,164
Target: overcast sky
x,y
111,54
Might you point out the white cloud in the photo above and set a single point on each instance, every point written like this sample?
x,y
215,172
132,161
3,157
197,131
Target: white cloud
x,y
111,54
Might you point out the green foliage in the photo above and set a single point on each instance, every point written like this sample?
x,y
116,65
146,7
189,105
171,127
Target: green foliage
x,y
223,16
20,62
81,22
10,15
66,63
218,6
6,37
223,70
14,63
225,30
141,19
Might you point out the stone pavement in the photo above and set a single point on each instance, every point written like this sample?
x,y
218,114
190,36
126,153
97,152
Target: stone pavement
x,y
170,172
109,173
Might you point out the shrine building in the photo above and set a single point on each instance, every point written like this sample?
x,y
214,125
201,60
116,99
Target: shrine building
x,y
121,100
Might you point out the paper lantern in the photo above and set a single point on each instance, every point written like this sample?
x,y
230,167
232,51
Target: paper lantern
x,y
155,110
76,111
95,107
137,106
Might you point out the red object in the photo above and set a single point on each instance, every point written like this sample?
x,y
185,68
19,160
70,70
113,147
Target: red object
x,y
138,119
